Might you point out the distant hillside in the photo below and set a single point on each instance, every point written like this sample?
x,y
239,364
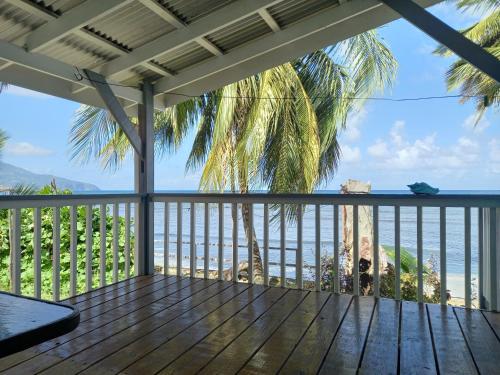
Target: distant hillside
x,y
10,175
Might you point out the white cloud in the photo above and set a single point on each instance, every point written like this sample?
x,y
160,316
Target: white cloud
x,y
351,154
26,149
397,132
471,124
354,121
494,154
19,91
378,149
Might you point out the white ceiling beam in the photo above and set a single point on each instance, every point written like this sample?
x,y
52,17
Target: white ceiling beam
x,y
217,20
209,46
72,20
271,22
274,50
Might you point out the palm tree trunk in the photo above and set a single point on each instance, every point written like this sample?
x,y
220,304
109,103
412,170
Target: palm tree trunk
x,y
258,270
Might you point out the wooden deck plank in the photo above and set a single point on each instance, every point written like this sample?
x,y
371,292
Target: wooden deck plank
x,y
112,309
453,356
494,320
178,340
312,348
276,350
174,294
416,352
174,317
200,354
381,350
347,347
238,352
481,339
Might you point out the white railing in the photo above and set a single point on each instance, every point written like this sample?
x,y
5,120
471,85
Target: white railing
x,y
93,212
476,211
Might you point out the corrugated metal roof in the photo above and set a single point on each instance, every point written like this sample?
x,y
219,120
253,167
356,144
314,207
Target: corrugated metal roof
x,y
291,11
191,10
184,57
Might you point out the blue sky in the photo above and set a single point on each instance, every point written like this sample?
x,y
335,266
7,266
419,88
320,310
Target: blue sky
x,y
389,144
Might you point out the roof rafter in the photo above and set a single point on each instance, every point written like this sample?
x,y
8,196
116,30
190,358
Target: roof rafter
x,y
215,21
326,28
70,21
271,22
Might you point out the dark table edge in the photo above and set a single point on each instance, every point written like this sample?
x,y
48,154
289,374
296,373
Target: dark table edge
x,y
27,339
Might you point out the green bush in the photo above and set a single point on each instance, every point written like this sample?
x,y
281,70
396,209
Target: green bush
x,y
27,263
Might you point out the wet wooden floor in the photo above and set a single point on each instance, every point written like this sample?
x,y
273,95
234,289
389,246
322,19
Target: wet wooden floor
x,y
169,325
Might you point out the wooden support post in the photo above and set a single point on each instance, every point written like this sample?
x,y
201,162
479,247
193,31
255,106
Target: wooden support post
x,y
144,185
491,261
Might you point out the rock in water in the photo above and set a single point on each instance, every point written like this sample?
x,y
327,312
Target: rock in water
x,y
421,188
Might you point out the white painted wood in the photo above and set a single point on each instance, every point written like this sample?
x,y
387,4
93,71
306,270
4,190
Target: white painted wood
x,y
250,244
271,22
336,249
468,257
266,244
166,238
217,20
299,256
192,240
355,253
442,254
56,253
282,246
42,201
73,273
206,242
163,12
116,237
37,254
397,252
420,256
102,252
179,239
75,18
480,251
127,240
220,255
88,248
15,262
376,253
317,252
234,208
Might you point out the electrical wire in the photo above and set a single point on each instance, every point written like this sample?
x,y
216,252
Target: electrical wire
x,y
80,77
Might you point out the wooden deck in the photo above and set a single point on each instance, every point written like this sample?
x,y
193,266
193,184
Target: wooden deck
x,y
169,325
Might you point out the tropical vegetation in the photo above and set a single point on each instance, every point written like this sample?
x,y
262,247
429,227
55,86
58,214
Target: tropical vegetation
x,y
472,83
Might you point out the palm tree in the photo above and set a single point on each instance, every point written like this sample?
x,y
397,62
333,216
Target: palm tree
x,y
3,86
486,33
3,140
277,129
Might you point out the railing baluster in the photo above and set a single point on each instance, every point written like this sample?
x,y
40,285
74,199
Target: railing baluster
x,y
179,238
282,246
192,240
442,253
72,249
116,234
317,253
220,255
250,243
102,254
355,243
467,242
56,254
37,254
376,257
266,244
234,209
88,248
336,260
298,257
166,238
127,240
206,249
15,262
420,256
397,251
480,273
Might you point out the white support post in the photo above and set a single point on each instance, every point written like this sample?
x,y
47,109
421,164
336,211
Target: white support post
x,y
491,261
144,185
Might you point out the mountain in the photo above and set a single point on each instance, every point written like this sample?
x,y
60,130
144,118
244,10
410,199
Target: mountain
x,y
10,175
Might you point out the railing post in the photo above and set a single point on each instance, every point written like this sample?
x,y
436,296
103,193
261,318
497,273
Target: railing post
x,y
491,267
144,185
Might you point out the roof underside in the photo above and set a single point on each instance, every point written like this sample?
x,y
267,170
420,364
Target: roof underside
x,y
183,46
